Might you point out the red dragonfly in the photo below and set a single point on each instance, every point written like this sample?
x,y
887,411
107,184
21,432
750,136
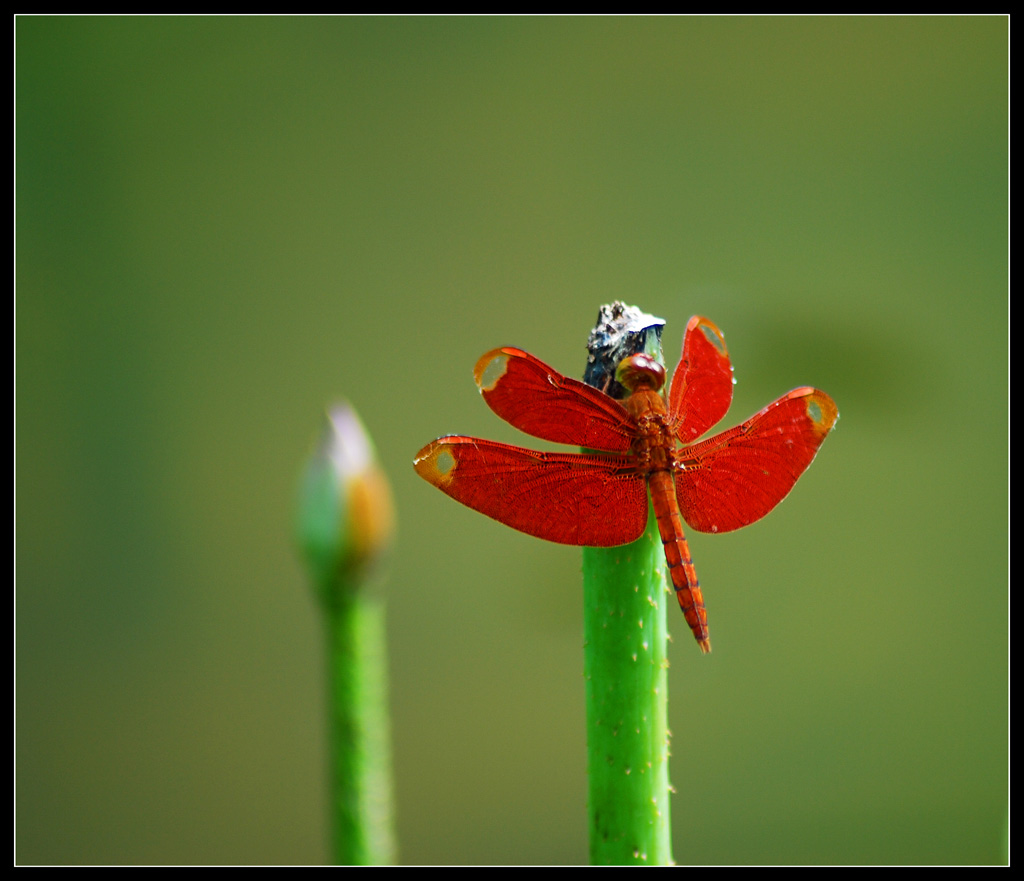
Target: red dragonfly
x,y
715,485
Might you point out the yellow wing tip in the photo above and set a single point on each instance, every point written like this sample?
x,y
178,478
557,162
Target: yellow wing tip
x,y
827,411
436,462
490,368
821,409
711,331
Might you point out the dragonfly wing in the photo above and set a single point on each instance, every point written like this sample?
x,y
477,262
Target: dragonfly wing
x,y
701,388
599,501
537,399
738,476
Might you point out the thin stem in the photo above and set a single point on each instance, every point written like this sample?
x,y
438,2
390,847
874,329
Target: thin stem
x,y
344,525
361,774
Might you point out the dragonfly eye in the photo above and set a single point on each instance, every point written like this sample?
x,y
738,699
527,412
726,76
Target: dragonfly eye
x,y
640,371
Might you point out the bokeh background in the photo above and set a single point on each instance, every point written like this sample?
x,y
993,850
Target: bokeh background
x,y
225,224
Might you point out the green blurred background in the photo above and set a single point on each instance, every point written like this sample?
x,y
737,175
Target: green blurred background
x,y
225,224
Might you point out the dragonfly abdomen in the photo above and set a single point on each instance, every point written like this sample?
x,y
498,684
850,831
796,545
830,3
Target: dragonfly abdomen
x,y
677,555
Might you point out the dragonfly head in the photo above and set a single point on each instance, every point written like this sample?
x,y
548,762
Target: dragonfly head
x,y
640,372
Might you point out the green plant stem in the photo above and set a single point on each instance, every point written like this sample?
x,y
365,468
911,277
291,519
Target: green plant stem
x,y
362,825
625,668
